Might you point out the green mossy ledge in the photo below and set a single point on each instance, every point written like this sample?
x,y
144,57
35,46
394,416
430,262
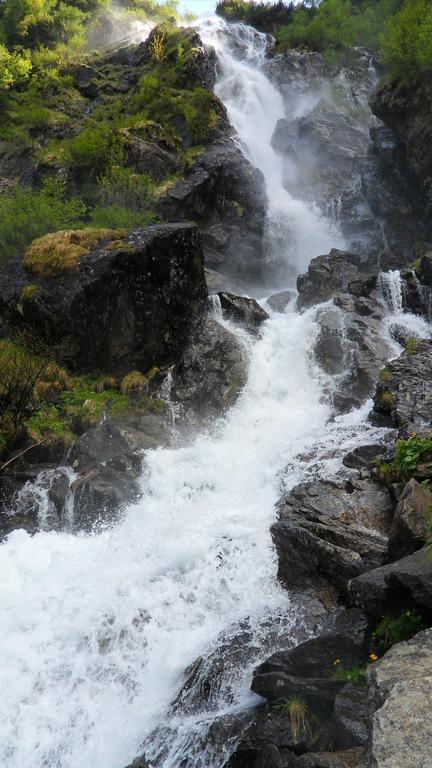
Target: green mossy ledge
x,y
124,304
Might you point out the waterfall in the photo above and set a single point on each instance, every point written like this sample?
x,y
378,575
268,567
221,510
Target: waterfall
x,y
98,630
295,230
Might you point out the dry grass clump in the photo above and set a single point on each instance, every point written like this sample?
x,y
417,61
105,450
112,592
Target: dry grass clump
x,y
134,383
53,254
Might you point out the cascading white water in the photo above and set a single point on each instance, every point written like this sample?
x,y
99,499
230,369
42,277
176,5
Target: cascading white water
x,y
96,631
296,231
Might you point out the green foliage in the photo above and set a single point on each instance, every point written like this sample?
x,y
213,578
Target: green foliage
x,y
22,362
93,150
15,67
124,188
396,628
26,214
407,46
118,216
355,675
409,452
265,16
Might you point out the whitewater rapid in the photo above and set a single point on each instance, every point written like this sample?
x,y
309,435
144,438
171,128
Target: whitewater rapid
x,y
97,630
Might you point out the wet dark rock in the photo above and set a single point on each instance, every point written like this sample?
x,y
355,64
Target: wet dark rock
x,y
350,345
59,491
330,344
403,583
400,690
308,672
407,110
118,310
330,274
278,302
225,195
363,456
327,533
242,310
108,471
416,297
350,717
408,531
426,269
211,373
403,398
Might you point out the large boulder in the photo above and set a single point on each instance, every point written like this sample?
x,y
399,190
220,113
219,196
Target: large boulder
x,y
332,273
126,304
400,690
327,533
403,583
242,310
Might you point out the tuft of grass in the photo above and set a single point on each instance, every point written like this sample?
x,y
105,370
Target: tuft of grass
x,y
134,383
28,291
355,675
51,255
297,710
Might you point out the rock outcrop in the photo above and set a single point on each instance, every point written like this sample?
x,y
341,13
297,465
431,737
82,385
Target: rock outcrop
x,y
126,305
328,533
403,397
400,690
224,195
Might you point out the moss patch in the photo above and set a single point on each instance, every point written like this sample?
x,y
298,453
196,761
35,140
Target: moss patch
x,y
53,254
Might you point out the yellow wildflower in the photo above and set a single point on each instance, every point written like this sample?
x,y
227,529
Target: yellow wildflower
x,y
373,656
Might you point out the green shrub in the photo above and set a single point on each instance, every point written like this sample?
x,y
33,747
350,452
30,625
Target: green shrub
x,y
355,675
117,216
396,628
265,16
122,187
26,214
93,150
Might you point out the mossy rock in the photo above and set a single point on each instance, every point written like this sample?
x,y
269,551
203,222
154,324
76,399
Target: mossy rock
x,y
53,254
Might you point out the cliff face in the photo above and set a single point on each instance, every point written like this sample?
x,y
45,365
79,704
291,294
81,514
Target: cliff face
x,y
407,109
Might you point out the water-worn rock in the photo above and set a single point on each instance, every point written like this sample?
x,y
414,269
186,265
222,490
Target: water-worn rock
x,y
308,672
225,195
108,470
211,373
278,302
403,398
408,531
395,585
243,310
363,456
327,533
330,274
400,689
120,308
